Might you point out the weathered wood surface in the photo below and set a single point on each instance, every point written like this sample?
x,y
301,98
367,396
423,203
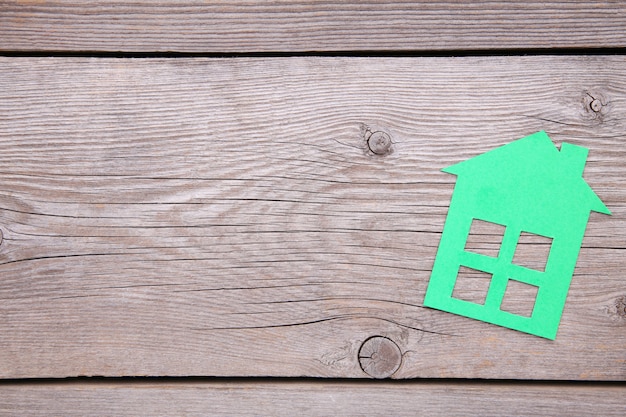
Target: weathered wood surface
x,y
313,398
288,26
224,216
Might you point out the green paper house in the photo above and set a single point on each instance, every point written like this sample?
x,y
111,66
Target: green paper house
x,y
525,188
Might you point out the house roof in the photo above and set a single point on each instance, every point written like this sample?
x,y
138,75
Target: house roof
x,y
535,162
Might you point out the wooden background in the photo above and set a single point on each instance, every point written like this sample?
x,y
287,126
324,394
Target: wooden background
x,y
218,214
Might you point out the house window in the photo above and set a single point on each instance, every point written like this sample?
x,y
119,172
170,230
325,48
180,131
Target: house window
x,y
472,285
485,238
519,298
497,252
532,251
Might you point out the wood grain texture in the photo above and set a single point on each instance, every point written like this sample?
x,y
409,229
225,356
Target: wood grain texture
x,y
225,217
296,26
288,398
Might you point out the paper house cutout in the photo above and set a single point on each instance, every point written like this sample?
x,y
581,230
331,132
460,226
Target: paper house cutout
x,y
528,187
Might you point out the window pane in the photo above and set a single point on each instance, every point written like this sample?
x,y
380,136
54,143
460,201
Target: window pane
x,y
532,251
519,298
485,238
471,285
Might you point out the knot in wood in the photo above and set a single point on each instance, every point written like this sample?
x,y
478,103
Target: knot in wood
x,y
379,143
595,105
620,307
380,357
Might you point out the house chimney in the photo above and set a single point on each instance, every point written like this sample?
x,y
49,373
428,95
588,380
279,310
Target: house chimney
x,y
573,158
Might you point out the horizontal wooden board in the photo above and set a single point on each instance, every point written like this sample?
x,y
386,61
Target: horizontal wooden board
x,y
226,216
288,398
296,26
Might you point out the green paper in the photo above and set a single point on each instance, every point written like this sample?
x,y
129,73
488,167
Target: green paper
x,y
526,186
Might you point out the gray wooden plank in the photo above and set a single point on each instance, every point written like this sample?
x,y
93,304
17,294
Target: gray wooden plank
x,y
225,216
296,26
314,398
